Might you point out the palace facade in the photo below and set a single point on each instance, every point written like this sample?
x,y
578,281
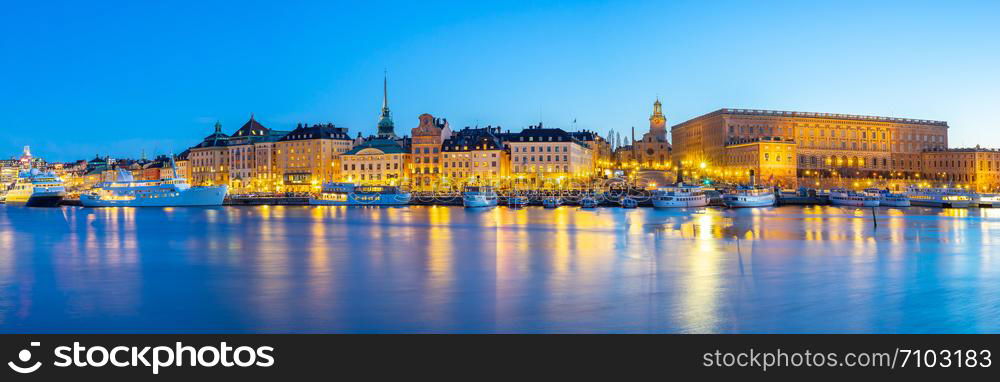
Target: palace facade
x,y
825,145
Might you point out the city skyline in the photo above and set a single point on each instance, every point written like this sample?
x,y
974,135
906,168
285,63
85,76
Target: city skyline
x,y
163,86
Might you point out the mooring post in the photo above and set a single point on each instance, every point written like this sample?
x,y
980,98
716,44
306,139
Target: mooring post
x,y
874,219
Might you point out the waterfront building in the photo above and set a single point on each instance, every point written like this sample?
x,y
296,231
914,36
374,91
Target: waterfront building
x,y
976,168
425,149
309,156
183,165
475,156
253,159
769,161
828,146
540,155
377,161
600,148
209,160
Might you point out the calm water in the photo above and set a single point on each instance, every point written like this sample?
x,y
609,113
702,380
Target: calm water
x,y
447,269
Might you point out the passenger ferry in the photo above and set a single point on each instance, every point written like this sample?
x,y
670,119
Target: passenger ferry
x,y
479,196
889,199
552,202
939,197
842,197
36,188
517,201
350,194
680,195
588,201
749,196
125,191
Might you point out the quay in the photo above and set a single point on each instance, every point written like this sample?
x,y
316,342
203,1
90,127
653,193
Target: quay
x,y
535,199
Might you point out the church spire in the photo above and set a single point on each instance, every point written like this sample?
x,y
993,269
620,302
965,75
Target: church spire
x,y
385,91
385,125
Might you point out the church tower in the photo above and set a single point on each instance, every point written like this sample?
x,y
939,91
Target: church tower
x,y
386,129
657,122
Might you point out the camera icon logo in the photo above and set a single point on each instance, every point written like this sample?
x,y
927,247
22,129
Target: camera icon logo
x,y
25,356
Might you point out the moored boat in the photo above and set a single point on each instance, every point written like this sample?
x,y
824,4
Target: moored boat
x,y
552,202
628,202
985,200
749,196
36,188
588,202
125,191
517,201
479,196
939,197
350,194
842,197
889,199
680,195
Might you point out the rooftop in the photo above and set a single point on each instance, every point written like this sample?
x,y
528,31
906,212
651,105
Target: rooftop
x,y
805,114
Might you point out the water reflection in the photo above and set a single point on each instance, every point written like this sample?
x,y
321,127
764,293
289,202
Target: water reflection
x,y
446,269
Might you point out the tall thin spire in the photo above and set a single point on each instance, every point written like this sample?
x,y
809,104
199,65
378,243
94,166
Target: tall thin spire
x,y
385,89
385,126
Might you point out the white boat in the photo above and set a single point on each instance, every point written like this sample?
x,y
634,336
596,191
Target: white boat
x,y
552,202
939,197
842,197
629,202
479,196
350,194
680,195
985,200
125,191
517,201
36,188
749,196
588,202
889,199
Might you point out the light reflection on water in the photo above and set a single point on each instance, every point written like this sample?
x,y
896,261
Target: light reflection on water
x,y
447,269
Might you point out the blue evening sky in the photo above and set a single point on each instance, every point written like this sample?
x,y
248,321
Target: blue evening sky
x,y
118,77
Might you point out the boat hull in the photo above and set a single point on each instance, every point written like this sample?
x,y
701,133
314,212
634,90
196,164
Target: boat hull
x,y
854,203
353,200
700,202
941,203
192,197
748,202
894,203
479,201
37,200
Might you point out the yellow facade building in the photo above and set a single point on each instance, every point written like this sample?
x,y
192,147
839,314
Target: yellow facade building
x,y
309,156
209,160
253,159
542,155
827,145
762,161
425,150
377,161
977,169
475,156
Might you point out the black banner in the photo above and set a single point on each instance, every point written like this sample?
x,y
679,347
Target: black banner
x,y
493,356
